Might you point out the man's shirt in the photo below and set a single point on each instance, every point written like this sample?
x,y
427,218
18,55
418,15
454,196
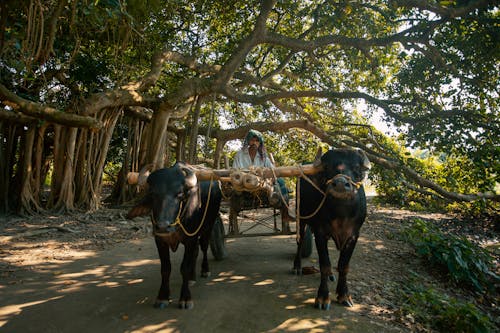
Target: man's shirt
x,y
242,160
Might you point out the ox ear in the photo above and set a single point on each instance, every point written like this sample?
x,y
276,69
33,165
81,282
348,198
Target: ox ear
x,y
190,177
141,209
317,159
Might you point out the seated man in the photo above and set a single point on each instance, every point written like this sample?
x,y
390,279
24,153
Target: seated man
x,y
253,153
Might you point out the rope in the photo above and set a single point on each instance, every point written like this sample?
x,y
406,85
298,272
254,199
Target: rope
x,y
281,194
178,220
225,197
349,179
303,175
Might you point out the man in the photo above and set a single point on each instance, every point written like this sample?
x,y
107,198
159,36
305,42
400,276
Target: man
x,y
253,153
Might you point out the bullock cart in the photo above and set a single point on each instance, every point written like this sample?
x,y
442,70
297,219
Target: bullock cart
x,y
247,189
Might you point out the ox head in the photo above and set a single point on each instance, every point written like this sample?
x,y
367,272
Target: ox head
x,y
170,194
343,171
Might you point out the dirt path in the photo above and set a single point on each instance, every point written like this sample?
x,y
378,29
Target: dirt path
x,y
101,274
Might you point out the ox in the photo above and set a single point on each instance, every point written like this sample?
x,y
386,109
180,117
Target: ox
x,y
333,205
182,210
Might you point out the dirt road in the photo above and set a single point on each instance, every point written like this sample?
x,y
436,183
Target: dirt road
x,y
49,284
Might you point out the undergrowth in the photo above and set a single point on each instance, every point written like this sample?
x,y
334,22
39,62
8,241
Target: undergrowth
x,y
440,312
465,264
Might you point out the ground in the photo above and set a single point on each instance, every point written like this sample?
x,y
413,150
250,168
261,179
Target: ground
x,y
99,272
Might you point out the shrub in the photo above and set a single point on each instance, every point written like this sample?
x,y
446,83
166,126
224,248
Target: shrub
x,y
463,261
443,313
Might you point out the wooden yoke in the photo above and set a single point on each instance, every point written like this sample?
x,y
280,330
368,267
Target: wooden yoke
x,y
284,171
224,175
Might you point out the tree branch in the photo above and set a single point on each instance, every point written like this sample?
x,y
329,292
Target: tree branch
x,y
383,161
36,110
257,36
447,12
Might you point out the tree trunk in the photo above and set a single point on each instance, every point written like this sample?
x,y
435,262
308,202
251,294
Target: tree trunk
x,y
157,142
66,170
28,204
39,163
93,148
122,192
219,147
193,138
180,147
4,174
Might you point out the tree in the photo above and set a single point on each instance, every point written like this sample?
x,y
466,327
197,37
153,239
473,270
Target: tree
x,y
71,70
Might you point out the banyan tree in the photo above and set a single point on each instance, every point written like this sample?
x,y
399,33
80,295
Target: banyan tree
x,y
85,85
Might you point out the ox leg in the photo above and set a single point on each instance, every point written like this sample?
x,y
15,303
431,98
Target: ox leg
x,y
163,298
297,262
323,297
204,242
343,295
188,273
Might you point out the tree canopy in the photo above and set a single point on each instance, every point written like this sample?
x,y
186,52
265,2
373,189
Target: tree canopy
x,y
169,80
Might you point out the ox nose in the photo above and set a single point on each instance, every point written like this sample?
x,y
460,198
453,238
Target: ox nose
x,y
164,227
342,184
161,225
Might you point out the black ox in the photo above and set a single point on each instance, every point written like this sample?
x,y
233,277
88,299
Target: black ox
x,y
333,205
182,210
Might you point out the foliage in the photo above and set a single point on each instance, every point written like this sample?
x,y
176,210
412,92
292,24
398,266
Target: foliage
x,y
464,262
431,69
442,313
452,171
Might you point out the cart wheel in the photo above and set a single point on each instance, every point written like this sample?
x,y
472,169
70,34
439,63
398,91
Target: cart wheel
x,y
307,243
217,240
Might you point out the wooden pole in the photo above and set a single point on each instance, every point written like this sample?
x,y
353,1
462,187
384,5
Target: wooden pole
x,y
224,174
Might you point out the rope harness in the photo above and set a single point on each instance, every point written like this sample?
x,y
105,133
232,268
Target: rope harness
x,y
182,212
349,180
328,182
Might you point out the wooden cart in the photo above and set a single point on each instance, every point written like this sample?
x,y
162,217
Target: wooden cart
x,y
247,189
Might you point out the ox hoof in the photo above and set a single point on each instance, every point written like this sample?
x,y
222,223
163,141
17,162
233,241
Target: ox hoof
x,y
188,305
322,305
159,304
296,271
205,274
346,301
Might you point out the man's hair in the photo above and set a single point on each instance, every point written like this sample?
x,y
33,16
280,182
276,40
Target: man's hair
x,y
255,134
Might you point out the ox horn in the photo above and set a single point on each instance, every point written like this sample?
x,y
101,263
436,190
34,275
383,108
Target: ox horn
x,y
317,159
366,165
190,177
366,162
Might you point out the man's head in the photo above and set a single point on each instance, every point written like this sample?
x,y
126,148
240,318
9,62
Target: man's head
x,y
254,139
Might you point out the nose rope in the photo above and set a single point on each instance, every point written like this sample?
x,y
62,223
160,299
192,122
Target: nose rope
x,y
329,181
155,223
178,217
349,180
